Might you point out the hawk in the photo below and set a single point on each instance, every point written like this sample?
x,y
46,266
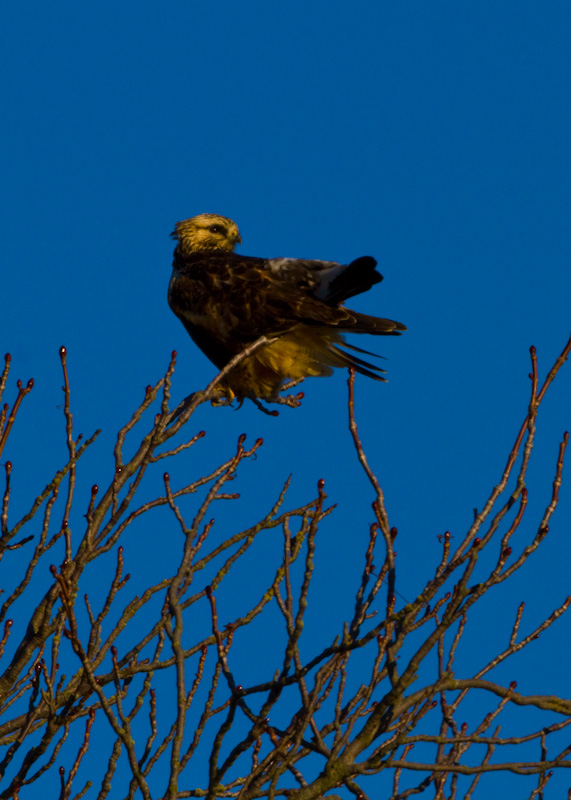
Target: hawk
x,y
226,301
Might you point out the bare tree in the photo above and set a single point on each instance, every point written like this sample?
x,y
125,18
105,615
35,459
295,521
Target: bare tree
x,y
81,674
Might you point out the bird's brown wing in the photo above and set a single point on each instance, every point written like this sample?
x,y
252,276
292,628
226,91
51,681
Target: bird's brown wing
x,y
249,296
226,301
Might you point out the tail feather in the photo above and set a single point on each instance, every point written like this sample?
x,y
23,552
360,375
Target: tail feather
x,y
377,326
356,361
357,277
358,364
360,350
339,358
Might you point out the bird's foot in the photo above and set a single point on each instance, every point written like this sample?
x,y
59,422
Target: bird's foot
x,y
222,396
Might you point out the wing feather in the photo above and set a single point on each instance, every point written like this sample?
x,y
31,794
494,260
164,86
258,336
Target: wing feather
x,y
238,298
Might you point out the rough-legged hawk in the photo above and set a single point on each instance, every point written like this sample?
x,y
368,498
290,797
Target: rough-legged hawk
x,y
226,301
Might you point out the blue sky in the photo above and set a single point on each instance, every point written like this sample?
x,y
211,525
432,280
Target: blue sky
x,y
433,136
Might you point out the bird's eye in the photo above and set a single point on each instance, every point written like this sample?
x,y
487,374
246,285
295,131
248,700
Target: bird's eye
x,y
216,229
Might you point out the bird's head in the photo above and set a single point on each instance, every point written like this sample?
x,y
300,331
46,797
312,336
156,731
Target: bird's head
x,y
206,232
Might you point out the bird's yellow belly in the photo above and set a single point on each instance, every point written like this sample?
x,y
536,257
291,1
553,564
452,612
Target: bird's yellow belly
x,y
289,357
292,357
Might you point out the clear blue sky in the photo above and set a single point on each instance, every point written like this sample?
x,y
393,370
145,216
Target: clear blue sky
x,y
433,136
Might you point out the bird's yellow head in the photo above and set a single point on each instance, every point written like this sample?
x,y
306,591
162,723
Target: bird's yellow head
x,y
206,232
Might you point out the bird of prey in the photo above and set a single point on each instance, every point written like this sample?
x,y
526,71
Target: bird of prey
x,y
226,301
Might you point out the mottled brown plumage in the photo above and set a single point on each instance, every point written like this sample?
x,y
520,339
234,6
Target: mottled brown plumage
x,y
226,301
